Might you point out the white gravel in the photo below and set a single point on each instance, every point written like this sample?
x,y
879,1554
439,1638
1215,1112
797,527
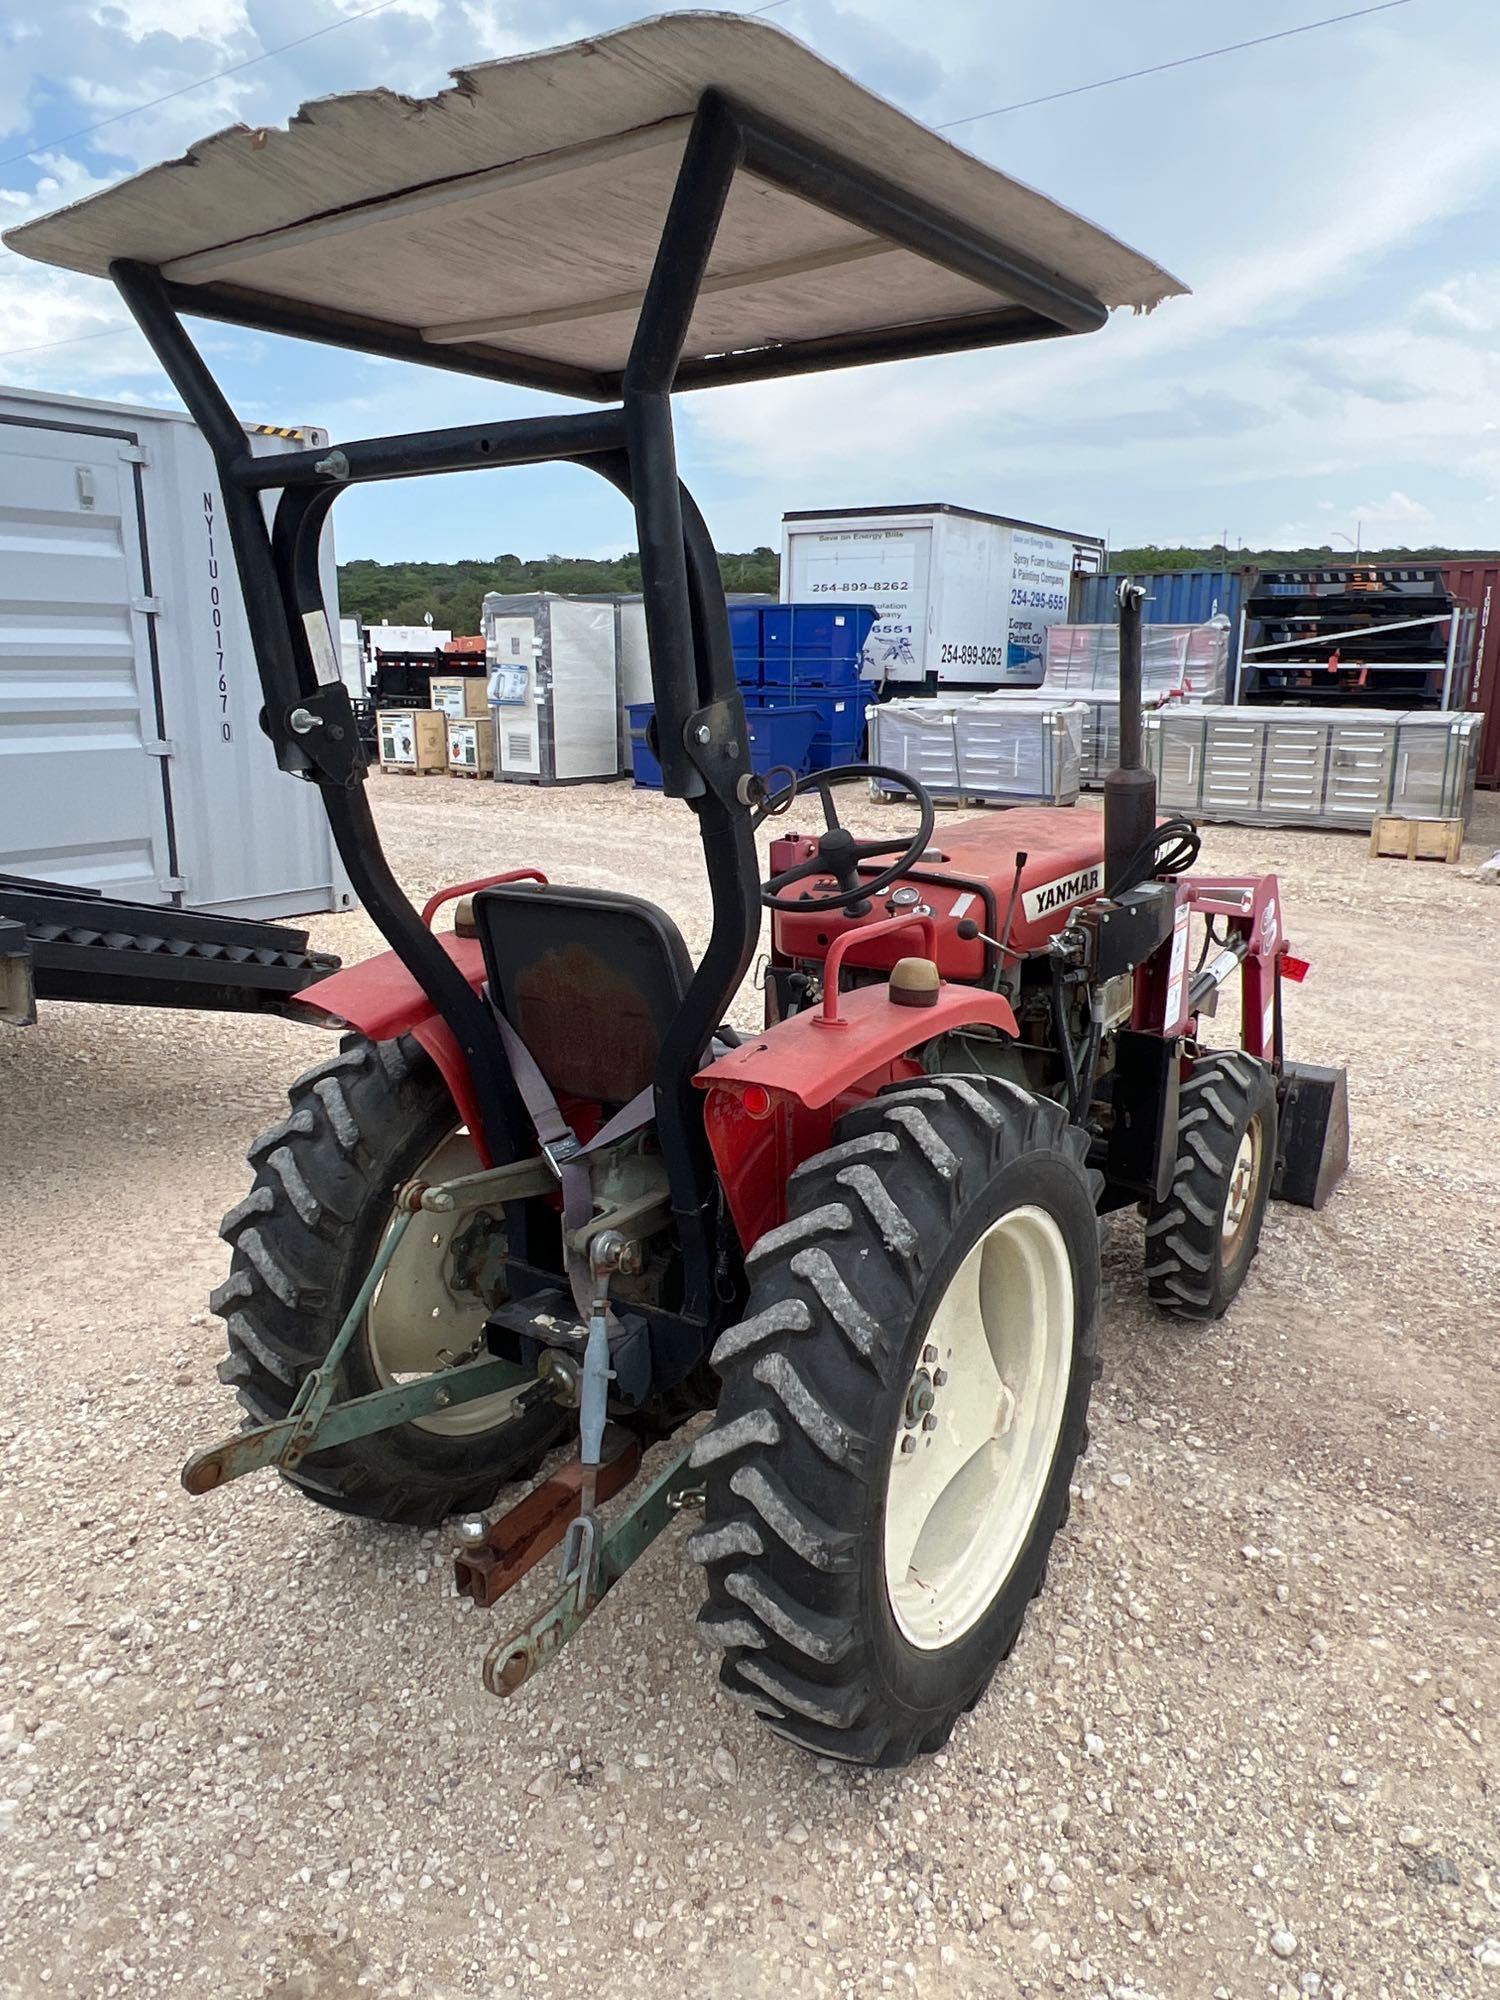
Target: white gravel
x,y
1246,1747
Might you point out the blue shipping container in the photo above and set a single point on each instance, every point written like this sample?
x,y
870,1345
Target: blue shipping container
x,y
1174,597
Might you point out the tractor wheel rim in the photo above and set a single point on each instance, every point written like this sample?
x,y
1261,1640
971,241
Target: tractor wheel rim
x,y
978,1428
417,1318
1239,1198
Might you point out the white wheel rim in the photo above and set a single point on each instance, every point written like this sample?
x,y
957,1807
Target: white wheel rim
x,y
1242,1178
418,1321
968,1475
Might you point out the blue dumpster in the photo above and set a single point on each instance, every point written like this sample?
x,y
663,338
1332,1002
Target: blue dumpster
x,y
839,725
781,735
643,764
814,645
745,637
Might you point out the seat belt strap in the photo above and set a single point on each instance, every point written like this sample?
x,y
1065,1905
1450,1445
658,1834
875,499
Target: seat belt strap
x,y
561,1149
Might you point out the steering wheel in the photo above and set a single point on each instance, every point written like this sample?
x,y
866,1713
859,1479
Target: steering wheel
x,y
839,853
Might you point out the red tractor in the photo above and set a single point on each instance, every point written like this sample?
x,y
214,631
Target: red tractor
x,y
541,1189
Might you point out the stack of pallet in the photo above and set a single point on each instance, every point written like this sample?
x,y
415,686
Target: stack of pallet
x,y
456,734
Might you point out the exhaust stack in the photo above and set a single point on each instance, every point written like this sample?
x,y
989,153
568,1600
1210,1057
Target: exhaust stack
x,y
1130,789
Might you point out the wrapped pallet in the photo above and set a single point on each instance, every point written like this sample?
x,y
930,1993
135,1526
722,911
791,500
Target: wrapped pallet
x,y
1178,662
1000,749
1327,767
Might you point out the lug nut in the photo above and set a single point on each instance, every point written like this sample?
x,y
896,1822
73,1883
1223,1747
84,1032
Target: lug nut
x,y
939,1377
908,1443
929,1355
929,1422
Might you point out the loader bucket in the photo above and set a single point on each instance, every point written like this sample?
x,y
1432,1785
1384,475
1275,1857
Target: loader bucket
x,y
1313,1152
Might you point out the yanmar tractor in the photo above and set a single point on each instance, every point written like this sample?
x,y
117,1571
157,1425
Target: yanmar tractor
x,y
541,1190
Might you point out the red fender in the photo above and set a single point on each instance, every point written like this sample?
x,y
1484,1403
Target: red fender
x,y
381,999
773,1102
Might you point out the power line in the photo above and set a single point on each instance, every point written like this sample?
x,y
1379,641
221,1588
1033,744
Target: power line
x,y
233,69
68,339
1181,62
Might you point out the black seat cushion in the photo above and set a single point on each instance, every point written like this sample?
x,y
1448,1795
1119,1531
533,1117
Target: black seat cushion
x,y
589,979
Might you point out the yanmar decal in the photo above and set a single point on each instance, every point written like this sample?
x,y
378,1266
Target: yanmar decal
x,y
1050,896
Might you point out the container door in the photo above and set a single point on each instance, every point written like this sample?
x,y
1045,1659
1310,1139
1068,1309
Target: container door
x,y
85,786
513,647
583,701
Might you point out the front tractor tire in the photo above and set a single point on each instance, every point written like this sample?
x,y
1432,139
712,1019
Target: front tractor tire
x,y
361,1124
902,1409
1202,1240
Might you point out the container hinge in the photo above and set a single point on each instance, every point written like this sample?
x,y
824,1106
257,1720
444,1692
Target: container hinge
x,y
175,883
159,746
134,454
150,605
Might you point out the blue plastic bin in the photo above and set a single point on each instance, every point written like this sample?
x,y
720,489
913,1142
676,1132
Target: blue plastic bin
x,y
644,768
781,735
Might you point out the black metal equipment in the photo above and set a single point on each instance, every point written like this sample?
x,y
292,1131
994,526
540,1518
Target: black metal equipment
x,y
67,943
700,716
1129,789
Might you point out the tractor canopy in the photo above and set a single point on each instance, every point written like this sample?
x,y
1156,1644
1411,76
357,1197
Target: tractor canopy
x,y
507,226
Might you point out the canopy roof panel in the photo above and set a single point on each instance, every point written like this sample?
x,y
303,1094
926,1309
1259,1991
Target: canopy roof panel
x,y
509,224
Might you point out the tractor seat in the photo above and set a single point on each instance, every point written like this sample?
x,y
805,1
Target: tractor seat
x,y
588,978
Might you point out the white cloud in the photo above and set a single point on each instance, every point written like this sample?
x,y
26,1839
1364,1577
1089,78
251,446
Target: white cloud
x,y
1288,385
1396,510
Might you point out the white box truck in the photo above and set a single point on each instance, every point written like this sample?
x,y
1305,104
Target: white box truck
x,y
132,761
965,598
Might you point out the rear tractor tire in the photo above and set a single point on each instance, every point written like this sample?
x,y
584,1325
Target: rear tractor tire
x,y
902,1409
1202,1240
362,1123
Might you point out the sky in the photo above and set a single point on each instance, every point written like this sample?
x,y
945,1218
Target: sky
x,y
1330,199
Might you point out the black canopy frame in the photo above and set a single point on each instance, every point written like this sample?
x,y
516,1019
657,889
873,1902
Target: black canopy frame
x,y
701,722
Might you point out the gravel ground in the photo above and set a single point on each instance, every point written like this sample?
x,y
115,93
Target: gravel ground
x,y
1247,1745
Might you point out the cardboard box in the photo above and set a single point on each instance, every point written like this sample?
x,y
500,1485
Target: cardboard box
x,y
471,745
412,739
460,694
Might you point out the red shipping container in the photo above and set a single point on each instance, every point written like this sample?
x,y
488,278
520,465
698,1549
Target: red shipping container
x,y
1478,583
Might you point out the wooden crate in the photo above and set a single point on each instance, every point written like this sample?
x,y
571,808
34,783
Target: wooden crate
x,y
1417,839
412,739
460,694
471,746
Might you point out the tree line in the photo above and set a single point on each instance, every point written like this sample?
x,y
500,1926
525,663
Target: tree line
x,y
403,593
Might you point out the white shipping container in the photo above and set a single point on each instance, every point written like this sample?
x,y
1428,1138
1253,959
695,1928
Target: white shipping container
x,y
131,755
964,598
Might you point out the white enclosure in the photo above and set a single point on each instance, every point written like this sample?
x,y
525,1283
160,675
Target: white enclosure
x,y
556,692
131,755
964,598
